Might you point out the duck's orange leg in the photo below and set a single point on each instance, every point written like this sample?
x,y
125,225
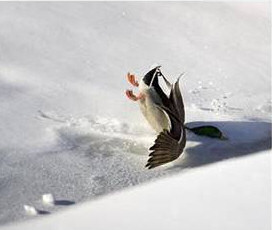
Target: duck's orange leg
x,y
133,97
132,80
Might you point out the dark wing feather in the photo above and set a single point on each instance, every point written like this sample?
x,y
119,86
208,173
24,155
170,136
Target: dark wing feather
x,y
176,102
165,149
158,89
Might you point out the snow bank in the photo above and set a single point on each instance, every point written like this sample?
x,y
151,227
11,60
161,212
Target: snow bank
x,y
232,195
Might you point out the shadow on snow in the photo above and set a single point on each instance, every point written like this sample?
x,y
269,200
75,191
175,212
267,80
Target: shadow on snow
x,y
244,138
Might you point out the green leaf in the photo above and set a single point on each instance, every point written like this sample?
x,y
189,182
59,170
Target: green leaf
x,y
209,131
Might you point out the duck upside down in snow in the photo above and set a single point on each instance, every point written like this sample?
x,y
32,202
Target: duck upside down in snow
x,y
164,113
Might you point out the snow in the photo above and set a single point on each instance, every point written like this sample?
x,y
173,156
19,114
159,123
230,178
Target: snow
x,y
30,210
48,199
68,131
240,200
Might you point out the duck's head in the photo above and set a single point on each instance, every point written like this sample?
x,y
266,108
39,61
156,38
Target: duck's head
x,y
152,75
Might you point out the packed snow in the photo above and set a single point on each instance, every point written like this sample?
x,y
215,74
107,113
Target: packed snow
x,y
70,135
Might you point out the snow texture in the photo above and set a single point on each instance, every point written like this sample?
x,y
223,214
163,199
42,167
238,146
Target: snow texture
x,y
222,196
67,128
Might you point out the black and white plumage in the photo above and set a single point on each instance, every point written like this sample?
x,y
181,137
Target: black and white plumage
x,y
166,115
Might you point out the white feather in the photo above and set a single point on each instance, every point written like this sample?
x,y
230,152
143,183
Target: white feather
x,y
156,117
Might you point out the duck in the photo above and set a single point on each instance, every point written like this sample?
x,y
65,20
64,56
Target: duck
x,y
164,113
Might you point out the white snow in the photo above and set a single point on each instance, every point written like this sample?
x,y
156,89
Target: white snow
x,y
234,195
67,128
48,199
30,210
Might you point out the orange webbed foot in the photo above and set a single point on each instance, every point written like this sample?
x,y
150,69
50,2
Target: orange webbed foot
x,y
133,97
132,80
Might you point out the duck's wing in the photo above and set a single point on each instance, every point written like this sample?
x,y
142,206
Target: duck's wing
x,y
176,102
169,145
166,149
160,92
174,110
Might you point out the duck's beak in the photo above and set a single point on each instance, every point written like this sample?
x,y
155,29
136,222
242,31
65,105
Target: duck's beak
x,y
151,75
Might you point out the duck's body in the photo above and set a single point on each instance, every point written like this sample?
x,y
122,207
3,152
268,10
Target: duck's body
x,y
157,119
164,114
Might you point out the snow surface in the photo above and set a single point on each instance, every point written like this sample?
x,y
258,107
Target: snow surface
x,y
68,130
240,200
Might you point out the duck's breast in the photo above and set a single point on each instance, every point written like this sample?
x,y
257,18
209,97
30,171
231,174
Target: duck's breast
x,y
155,116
